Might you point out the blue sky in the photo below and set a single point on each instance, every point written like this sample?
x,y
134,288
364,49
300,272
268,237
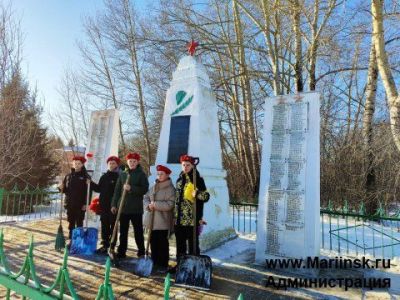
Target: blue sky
x,y
51,29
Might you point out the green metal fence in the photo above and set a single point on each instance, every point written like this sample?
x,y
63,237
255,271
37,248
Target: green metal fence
x,y
343,229
244,216
351,230
26,282
27,204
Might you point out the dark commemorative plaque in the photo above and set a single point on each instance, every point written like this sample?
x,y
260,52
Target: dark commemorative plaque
x,y
178,138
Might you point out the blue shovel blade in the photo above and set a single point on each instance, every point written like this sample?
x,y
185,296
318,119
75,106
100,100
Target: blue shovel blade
x,y
143,267
84,241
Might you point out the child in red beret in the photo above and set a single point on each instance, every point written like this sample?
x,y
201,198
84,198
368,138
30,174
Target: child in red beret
x,y
160,201
74,186
185,196
132,211
106,187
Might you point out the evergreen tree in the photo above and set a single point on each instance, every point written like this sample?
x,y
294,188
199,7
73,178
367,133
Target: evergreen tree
x,y
27,159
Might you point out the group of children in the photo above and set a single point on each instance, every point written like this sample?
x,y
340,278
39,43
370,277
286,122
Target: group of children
x,y
166,208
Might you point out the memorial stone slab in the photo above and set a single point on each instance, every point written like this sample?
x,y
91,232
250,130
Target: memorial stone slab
x,y
102,140
289,201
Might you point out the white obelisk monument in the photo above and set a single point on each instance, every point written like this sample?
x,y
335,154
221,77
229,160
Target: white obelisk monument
x,y
190,126
288,223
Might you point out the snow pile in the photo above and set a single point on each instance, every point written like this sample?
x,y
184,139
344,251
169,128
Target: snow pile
x,y
239,250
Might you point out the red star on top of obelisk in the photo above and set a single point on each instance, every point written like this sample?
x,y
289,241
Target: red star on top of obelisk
x,y
192,47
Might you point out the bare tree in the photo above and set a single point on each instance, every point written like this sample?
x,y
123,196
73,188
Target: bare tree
x,y
10,43
98,78
72,119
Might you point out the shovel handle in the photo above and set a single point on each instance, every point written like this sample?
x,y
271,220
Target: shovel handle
x,y
87,206
150,231
61,206
151,222
195,207
121,203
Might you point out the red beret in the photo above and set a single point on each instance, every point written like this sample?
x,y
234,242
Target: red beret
x,y
164,169
81,158
186,158
133,156
89,155
114,158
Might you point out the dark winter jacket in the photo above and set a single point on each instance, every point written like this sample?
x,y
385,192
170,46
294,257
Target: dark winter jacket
x,y
134,198
75,189
183,207
105,187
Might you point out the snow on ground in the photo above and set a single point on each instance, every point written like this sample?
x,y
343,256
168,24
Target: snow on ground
x,y
40,212
51,211
231,251
371,235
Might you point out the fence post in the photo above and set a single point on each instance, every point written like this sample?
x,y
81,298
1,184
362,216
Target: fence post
x,y
1,199
167,285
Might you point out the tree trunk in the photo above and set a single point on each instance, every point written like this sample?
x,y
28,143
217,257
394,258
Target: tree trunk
x,y
298,68
370,180
384,70
313,48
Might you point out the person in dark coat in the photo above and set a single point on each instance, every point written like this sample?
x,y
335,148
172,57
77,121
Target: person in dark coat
x,y
132,211
105,188
74,186
185,195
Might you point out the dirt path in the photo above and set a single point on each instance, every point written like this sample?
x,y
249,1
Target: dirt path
x,y
87,275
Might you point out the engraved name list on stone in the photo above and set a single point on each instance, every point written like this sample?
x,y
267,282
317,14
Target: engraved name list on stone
x,y
297,146
299,116
279,118
296,167
289,224
277,175
294,210
295,176
287,173
274,239
277,146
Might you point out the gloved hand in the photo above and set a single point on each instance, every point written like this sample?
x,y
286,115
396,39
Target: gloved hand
x,y
189,192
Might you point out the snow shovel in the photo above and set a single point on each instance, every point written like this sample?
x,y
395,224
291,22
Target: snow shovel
x,y
144,266
84,239
111,251
194,271
60,239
